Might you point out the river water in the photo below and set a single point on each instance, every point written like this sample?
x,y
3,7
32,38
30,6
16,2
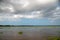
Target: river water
x,y
27,33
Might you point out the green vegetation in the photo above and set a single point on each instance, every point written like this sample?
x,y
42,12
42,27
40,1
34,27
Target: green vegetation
x,y
1,32
20,33
53,38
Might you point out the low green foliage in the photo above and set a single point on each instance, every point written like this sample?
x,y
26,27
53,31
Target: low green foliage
x,y
53,38
20,33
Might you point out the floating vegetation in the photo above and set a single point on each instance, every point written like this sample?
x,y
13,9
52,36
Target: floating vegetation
x,y
20,33
1,32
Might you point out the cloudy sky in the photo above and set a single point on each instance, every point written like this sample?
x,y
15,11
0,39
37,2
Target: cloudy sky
x,y
29,12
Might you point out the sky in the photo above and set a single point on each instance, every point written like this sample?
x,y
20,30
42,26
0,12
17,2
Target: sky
x,y
30,12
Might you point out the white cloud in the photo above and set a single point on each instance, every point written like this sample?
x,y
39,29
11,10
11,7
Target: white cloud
x,y
8,18
29,9
30,4
55,14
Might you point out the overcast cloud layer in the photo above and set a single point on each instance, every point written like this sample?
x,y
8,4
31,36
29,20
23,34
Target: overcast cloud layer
x,y
14,10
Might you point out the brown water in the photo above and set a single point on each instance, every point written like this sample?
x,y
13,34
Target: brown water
x,y
28,33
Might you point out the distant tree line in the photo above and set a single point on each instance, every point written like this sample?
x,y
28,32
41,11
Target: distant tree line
x,y
29,25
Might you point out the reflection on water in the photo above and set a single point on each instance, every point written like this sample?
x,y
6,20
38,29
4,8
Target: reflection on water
x,y
28,33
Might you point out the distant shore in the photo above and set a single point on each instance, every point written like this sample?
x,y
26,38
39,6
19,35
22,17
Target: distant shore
x,y
29,25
